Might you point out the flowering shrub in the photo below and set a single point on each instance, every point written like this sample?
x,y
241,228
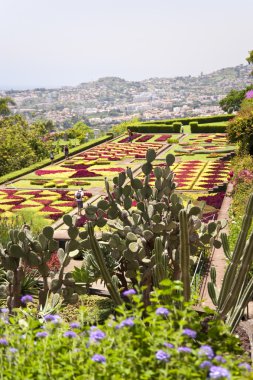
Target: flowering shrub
x,y
249,94
172,344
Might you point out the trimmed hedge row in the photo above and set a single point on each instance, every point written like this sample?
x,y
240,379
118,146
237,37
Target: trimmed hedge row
x,y
157,128
208,128
38,165
187,120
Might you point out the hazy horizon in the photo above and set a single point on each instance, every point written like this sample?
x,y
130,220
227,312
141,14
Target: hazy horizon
x,y
23,87
52,44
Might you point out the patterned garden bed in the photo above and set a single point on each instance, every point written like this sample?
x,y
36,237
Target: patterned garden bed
x,y
52,204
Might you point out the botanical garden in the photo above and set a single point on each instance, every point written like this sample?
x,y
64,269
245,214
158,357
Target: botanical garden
x,y
154,279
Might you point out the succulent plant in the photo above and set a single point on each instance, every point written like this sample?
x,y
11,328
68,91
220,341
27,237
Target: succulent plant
x,y
149,238
23,249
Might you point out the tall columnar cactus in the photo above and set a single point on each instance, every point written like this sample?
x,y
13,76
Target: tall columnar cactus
x,y
185,254
236,289
137,214
22,250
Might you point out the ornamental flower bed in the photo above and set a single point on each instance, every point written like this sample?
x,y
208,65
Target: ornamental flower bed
x,y
85,174
144,138
52,204
41,172
133,137
163,138
213,200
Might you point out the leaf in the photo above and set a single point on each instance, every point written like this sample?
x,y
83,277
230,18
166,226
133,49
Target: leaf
x,y
133,247
67,220
170,159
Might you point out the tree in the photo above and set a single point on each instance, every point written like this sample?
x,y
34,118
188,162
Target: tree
x,y
15,152
4,109
233,100
122,127
250,59
21,144
80,131
240,131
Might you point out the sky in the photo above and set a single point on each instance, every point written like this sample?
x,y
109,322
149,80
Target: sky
x,y
53,43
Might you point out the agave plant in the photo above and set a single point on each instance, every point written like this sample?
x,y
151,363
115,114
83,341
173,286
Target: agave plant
x,y
237,285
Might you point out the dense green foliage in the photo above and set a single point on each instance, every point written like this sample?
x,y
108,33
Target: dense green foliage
x,y
80,131
240,130
233,100
167,342
21,144
4,108
243,185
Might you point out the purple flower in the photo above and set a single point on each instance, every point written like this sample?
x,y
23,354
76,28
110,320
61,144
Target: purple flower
x,y
4,310
162,356
168,345
129,322
206,351
162,311
27,298
98,358
52,318
184,349
75,325
42,334
129,292
13,350
219,373
70,334
245,365
190,333
96,334
249,94
205,364
3,342
220,359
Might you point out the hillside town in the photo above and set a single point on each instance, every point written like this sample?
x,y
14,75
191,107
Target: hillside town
x,y
111,100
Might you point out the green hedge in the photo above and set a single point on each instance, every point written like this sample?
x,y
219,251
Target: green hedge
x,y
161,128
208,128
187,120
38,165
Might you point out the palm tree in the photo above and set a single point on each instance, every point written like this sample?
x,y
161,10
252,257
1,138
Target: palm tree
x,y
4,108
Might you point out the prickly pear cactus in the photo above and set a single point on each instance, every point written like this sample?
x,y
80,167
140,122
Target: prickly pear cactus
x,y
143,231
23,250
